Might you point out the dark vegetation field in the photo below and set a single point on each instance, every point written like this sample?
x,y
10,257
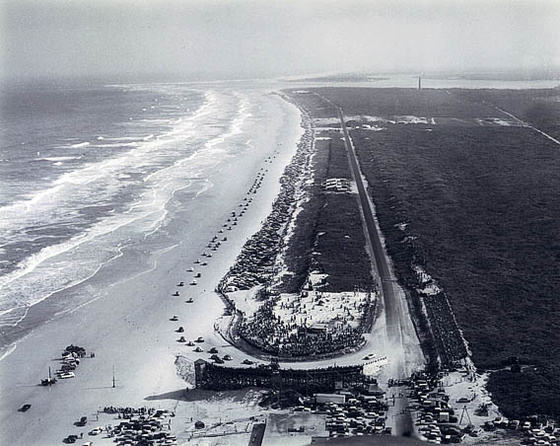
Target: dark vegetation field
x,y
482,206
329,236
541,108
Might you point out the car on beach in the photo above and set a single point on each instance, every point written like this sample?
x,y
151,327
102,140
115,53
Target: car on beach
x,y
198,350
66,375
199,339
81,422
95,431
247,362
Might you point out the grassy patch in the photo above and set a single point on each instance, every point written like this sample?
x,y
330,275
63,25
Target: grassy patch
x,y
329,235
481,209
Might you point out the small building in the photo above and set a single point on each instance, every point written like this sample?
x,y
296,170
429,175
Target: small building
x,y
373,389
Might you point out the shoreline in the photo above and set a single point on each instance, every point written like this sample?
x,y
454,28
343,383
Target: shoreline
x,y
128,327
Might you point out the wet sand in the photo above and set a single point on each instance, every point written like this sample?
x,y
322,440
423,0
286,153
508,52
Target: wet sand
x,y
128,328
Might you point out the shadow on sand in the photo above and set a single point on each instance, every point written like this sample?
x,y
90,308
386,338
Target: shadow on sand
x,y
200,395
182,395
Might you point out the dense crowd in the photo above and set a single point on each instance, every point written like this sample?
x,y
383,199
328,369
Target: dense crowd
x,y
432,306
290,335
255,263
299,336
448,339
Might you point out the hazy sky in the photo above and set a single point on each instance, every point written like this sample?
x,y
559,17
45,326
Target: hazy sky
x,y
274,37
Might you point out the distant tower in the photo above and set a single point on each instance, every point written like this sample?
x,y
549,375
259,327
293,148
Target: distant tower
x,y
420,83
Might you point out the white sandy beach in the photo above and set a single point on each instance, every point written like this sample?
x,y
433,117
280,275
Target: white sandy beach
x,y
128,328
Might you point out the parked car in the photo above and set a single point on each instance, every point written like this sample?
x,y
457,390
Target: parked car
x,y
81,422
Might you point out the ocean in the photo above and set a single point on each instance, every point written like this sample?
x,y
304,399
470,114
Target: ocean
x,y
90,172
93,174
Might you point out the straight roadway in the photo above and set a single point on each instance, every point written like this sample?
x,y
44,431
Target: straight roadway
x,y
394,323
381,262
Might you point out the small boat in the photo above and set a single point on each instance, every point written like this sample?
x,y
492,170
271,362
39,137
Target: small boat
x,y
193,282
176,293
198,275
174,319
190,270
181,284
190,300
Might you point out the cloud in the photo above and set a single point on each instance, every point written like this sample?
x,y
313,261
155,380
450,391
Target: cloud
x,y
244,37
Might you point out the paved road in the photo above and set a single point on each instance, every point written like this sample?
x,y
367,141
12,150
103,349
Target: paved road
x,y
390,302
399,329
